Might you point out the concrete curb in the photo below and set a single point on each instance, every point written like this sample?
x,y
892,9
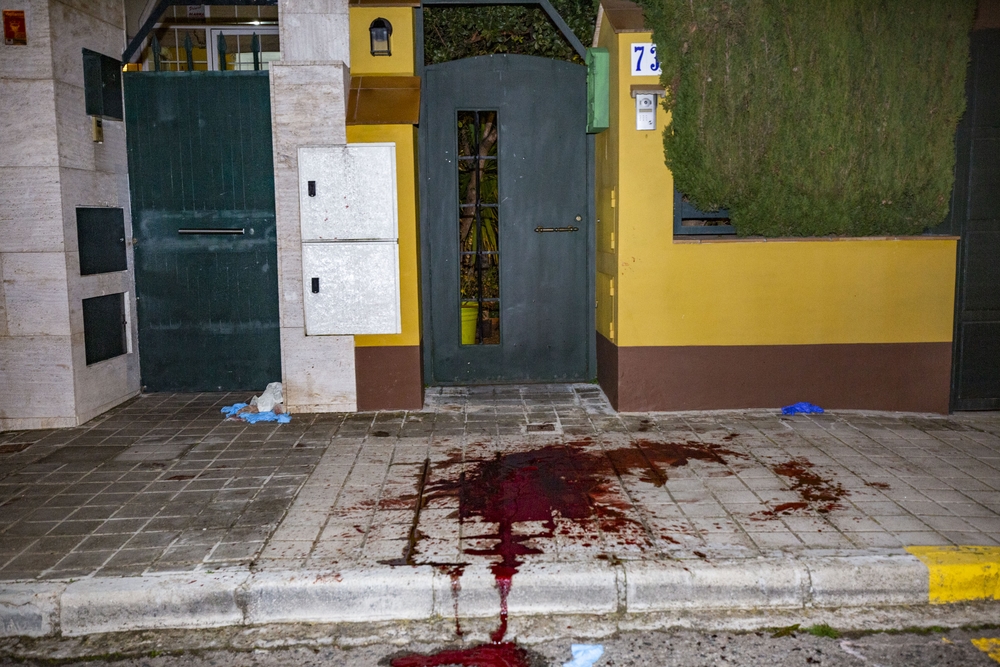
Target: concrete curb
x,y
860,581
30,609
538,589
196,600
377,594
242,598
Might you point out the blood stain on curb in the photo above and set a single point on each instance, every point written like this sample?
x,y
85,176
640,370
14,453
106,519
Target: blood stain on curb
x,y
454,573
572,480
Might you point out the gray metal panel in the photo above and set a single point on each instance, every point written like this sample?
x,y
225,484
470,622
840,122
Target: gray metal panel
x,y
985,60
546,293
979,362
100,238
984,178
982,290
358,288
104,335
354,195
975,215
102,85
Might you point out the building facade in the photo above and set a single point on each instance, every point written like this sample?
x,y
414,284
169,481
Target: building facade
x,y
579,268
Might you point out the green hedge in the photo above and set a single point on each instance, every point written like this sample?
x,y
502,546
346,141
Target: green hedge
x,y
451,33
814,117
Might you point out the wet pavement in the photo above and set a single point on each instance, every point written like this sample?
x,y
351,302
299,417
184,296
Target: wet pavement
x,y
496,475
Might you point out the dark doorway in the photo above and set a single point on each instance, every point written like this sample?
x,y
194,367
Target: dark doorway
x,y
202,182
506,168
975,216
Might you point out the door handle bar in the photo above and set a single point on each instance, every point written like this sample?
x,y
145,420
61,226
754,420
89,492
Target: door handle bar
x,y
556,229
236,231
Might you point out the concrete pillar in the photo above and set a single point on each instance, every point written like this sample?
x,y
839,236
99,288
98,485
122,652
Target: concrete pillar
x,y
49,165
308,108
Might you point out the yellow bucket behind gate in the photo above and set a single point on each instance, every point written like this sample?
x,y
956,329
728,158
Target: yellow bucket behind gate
x,y
470,313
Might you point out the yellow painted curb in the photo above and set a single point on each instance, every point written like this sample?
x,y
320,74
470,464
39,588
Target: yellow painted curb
x,y
989,646
962,573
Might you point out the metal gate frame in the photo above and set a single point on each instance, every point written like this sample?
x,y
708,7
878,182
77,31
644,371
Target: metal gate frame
x,y
425,250
957,223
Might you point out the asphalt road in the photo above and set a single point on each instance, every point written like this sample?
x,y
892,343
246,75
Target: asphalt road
x,y
674,649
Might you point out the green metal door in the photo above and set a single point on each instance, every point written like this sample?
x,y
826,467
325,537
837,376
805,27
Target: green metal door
x,y
975,216
202,183
506,221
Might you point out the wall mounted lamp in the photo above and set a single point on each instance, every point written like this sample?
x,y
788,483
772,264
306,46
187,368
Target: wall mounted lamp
x,y
380,30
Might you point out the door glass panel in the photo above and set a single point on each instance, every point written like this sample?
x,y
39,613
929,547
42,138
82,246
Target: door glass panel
x,y
479,227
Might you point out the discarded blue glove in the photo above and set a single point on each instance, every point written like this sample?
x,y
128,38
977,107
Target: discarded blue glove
x,y
231,410
254,417
806,408
270,416
584,655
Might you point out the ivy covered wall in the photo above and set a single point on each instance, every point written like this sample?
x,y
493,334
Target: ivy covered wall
x,y
818,117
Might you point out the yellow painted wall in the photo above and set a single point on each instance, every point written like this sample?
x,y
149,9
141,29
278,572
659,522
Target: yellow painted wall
x,y
401,43
606,184
405,137
744,292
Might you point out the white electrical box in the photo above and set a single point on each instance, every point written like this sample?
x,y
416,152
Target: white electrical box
x,y
348,192
351,288
350,249
645,111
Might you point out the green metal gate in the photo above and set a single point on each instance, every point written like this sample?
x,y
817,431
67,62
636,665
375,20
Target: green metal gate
x,y
975,216
202,184
506,172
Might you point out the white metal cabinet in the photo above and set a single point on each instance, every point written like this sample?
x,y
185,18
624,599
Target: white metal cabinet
x,y
353,195
350,249
358,288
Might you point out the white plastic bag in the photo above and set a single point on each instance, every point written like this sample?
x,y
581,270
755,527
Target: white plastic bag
x,y
272,396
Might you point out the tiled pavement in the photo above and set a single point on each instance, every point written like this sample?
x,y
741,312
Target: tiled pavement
x,y
164,484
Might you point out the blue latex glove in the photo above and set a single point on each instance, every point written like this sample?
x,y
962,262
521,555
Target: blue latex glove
x,y
585,655
254,417
806,408
270,416
231,410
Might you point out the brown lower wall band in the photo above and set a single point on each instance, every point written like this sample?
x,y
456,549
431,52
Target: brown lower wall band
x,y
913,377
389,378
607,368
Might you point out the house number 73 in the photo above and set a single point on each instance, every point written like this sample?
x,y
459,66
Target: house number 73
x,y
644,60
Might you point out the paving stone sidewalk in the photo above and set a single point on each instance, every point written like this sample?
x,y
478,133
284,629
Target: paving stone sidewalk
x,y
164,484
